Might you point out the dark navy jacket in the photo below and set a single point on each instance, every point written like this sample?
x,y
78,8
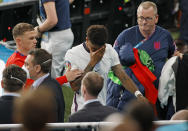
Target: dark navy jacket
x,y
159,46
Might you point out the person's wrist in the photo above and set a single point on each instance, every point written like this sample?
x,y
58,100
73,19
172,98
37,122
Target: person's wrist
x,y
92,64
138,94
38,29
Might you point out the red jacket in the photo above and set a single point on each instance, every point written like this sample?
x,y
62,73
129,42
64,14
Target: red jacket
x,y
146,78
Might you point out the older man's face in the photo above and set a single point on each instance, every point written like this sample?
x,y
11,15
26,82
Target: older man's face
x,y
147,20
30,67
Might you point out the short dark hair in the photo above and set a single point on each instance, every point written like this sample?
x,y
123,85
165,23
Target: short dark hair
x,y
13,78
42,58
97,34
93,83
21,28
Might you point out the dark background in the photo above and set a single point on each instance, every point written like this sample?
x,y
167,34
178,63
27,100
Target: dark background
x,y
116,15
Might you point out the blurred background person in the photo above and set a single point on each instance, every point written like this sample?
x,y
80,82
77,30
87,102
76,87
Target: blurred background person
x,y
120,122
182,126
34,109
142,113
180,115
137,116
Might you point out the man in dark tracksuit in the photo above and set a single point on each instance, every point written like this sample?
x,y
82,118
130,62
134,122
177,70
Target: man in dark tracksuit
x,y
158,45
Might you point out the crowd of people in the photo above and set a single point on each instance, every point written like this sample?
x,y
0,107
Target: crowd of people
x,y
140,79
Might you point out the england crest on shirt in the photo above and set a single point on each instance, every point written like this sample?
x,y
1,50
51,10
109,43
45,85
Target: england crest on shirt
x,y
157,45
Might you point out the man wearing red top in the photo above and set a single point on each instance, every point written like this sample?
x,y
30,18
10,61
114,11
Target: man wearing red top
x,y
25,38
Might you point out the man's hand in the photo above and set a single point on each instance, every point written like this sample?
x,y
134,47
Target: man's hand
x,y
39,34
73,74
177,53
141,98
96,56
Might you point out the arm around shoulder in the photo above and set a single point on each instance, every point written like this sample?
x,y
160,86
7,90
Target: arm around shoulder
x,y
76,84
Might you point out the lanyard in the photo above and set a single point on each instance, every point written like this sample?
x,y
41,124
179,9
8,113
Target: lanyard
x,y
140,43
42,16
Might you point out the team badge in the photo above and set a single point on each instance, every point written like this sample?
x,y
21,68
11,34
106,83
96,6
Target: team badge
x,y
157,45
67,64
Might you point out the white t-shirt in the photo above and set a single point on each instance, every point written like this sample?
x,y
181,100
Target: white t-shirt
x,y
2,66
78,58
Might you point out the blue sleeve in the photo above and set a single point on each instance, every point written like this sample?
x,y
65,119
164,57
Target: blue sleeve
x,y
171,45
120,41
124,50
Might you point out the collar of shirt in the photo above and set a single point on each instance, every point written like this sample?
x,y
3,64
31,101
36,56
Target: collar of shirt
x,y
20,53
39,81
85,47
11,94
90,101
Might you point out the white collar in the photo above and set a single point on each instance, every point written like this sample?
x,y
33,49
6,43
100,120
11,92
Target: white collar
x,y
39,81
90,101
11,94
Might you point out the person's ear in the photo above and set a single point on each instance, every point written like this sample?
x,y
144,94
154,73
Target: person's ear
x,y
23,87
18,41
84,90
156,19
86,40
37,68
2,84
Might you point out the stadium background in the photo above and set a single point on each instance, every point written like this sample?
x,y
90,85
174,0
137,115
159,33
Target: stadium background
x,y
116,15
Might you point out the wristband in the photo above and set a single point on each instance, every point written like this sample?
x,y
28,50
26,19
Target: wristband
x,y
137,93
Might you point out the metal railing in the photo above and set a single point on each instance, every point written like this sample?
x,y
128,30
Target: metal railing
x,y
84,125
75,125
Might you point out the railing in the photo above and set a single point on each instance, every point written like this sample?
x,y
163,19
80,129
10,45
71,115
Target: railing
x,y
168,122
90,125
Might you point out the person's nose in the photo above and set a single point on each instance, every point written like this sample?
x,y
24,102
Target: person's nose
x,y
35,41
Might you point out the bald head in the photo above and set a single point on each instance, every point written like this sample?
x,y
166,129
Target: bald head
x,y
180,115
93,83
